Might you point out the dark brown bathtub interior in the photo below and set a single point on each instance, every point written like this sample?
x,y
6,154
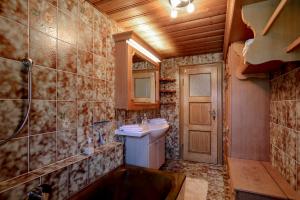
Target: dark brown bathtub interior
x,y
133,183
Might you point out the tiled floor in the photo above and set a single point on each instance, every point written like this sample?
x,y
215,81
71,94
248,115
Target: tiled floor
x,y
216,175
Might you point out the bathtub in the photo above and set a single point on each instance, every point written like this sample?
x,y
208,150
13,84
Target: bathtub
x,y
133,183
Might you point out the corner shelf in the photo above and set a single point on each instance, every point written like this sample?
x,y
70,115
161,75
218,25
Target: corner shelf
x,y
167,80
168,103
167,91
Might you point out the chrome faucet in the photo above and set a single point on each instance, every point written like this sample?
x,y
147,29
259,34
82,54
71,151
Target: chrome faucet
x,y
145,119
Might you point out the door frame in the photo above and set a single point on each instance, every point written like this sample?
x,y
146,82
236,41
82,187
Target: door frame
x,y
219,66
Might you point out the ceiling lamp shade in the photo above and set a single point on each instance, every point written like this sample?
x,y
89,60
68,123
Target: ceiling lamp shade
x,y
180,4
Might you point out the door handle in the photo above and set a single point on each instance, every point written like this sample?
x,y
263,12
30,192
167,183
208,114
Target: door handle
x,y
213,114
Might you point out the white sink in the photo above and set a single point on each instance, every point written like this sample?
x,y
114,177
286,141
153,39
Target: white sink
x,y
156,128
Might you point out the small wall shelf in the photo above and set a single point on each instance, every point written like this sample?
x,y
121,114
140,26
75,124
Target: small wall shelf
x,y
168,103
166,80
167,91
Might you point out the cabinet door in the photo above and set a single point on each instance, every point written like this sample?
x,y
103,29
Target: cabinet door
x,y
161,152
153,155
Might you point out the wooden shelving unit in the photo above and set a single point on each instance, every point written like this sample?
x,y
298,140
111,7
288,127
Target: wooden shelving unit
x,y
274,16
274,27
167,91
293,45
168,103
166,80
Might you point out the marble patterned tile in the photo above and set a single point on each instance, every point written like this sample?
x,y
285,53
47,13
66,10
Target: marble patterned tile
x,y
298,149
53,2
66,57
66,86
99,67
291,144
97,34
14,158
58,181
110,109
85,63
85,37
99,112
290,85
43,83
84,88
70,6
14,39
78,176
66,115
109,159
42,16
100,90
96,166
13,82
119,155
66,144
104,35
15,10
45,54
67,27
291,114
282,112
297,74
83,133
42,117
298,114
290,171
84,113
86,12
42,150
110,73
12,112
20,191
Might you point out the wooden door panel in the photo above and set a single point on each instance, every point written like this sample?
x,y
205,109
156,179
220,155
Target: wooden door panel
x,y
199,142
199,99
200,113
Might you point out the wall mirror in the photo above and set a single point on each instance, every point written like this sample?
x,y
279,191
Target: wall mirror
x,y
144,82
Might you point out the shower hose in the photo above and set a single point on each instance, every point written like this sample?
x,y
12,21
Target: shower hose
x,y
27,63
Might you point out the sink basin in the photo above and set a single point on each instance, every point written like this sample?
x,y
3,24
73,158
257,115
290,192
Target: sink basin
x,y
158,130
155,127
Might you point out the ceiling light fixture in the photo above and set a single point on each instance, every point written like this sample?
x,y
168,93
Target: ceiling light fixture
x,y
141,49
180,4
190,8
174,13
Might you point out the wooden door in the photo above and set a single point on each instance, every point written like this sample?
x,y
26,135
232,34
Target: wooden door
x,y
199,112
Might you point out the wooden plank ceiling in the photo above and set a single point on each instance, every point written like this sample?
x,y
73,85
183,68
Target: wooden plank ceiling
x,y
189,34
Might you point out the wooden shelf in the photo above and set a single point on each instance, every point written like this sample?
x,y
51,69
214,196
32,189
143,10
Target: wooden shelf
x,y
166,80
293,45
168,103
167,91
281,28
274,16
